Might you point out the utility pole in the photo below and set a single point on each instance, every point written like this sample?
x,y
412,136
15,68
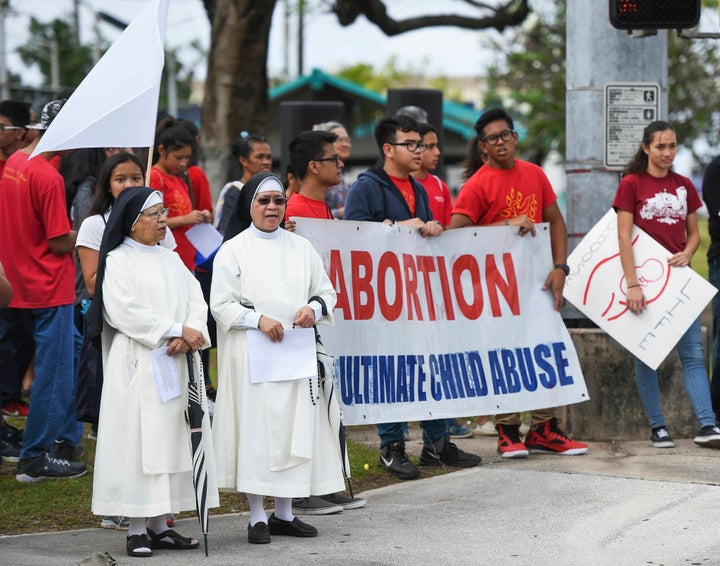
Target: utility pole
x,y
4,87
598,54
300,37
76,21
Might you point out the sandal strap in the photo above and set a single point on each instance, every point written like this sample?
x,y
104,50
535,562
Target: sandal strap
x,y
178,540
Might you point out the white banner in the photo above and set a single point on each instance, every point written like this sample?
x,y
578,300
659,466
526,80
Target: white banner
x,y
440,327
596,286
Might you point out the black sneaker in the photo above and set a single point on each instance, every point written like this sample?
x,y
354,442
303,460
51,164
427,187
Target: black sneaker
x,y
394,459
10,443
44,467
447,453
63,450
661,438
314,505
708,436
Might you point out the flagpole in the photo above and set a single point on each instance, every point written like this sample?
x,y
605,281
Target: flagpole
x,y
148,170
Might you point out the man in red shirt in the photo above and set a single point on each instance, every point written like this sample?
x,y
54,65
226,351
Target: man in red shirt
x,y
315,162
513,192
37,254
436,189
15,352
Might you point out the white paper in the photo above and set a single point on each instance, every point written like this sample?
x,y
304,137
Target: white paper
x,y
293,358
167,378
204,238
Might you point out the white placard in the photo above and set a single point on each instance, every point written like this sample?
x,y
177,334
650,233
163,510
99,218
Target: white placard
x,y
204,238
167,378
295,357
596,286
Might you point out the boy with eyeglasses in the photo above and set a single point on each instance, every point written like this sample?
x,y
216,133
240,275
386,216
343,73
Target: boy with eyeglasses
x,y
514,192
389,193
315,162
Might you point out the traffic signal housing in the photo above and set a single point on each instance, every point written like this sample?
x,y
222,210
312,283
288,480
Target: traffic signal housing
x,y
654,14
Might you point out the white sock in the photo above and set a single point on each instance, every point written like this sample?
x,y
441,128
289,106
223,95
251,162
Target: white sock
x,y
283,508
257,512
157,524
137,526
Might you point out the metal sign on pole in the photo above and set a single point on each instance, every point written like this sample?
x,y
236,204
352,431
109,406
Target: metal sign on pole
x,y
629,108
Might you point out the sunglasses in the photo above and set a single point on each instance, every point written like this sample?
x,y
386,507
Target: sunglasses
x,y
3,127
278,201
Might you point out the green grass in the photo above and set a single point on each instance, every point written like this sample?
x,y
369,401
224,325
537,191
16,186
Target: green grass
x,y
62,505
699,261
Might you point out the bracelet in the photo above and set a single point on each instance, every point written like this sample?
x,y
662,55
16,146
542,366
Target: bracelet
x,y
507,222
631,286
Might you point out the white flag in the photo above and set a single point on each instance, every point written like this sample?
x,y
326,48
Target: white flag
x,y
116,104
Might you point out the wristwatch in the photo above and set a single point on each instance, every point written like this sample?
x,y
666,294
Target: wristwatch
x,y
564,267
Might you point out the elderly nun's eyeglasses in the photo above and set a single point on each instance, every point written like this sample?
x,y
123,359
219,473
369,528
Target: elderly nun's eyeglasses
x,y
156,214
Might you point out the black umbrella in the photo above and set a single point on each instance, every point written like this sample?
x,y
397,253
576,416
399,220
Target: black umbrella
x,y
334,412
194,416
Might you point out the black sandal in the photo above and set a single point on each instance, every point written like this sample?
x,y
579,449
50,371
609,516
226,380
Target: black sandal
x,y
134,542
177,541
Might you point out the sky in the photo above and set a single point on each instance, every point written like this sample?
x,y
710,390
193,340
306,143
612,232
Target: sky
x,y
440,51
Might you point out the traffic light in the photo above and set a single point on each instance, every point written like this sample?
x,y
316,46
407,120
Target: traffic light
x,y
654,14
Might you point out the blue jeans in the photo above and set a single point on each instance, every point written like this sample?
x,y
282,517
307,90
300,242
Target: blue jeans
x,y
52,405
433,431
696,381
714,277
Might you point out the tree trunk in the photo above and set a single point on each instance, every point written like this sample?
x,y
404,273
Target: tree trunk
x,y
236,85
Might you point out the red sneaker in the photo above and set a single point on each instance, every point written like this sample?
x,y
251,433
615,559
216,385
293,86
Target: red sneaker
x,y
548,437
509,443
16,409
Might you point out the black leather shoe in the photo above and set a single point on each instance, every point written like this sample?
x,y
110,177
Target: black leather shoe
x,y
258,533
294,528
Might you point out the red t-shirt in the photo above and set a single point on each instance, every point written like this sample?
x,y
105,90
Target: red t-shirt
x,y
438,197
493,195
659,206
201,188
406,189
303,207
177,198
33,211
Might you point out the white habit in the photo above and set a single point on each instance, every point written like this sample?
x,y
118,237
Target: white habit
x,y
270,438
143,462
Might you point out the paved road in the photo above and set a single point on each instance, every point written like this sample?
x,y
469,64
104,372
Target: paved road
x,y
620,504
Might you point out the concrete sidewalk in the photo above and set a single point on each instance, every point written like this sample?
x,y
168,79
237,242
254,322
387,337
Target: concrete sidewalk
x,y
623,503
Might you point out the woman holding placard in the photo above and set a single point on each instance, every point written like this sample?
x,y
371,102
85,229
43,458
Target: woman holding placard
x,y
664,204
269,287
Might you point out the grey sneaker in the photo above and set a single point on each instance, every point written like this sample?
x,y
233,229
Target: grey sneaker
x,y
661,438
345,501
44,467
708,436
115,522
314,505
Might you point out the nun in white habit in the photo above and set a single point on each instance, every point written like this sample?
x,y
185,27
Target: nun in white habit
x,y
271,438
145,299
